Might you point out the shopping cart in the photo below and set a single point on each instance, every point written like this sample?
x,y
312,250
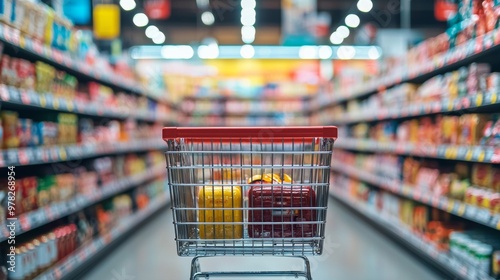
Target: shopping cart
x,y
249,192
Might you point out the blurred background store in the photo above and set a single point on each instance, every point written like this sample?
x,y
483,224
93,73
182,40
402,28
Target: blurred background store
x,y
86,87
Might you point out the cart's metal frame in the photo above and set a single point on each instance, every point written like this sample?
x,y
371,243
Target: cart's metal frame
x,y
201,160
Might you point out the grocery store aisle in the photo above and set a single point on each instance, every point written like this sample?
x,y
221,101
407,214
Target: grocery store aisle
x,y
354,250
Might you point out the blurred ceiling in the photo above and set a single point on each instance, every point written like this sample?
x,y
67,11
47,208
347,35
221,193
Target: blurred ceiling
x,y
184,24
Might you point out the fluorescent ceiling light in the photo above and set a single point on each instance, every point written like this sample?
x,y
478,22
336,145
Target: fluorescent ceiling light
x,y
159,38
177,52
346,52
127,5
207,18
325,52
374,53
152,31
247,34
202,4
140,19
308,52
208,52
336,39
365,5
248,4
343,31
352,20
247,51
248,16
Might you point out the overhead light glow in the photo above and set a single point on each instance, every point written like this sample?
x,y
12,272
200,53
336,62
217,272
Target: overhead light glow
x,y
248,4
207,18
152,31
202,4
343,31
365,5
352,20
140,19
247,51
336,39
248,16
127,5
248,34
177,52
325,52
346,52
308,52
208,52
159,38
374,53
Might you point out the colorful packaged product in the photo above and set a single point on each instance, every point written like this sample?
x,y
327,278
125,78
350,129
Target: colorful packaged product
x,y
288,200
482,175
220,198
10,121
29,187
48,133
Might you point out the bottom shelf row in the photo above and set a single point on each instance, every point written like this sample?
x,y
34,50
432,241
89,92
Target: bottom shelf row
x,y
464,252
58,249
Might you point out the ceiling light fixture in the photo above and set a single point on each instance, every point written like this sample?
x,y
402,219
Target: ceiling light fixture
x,y
336,39
248,16
325,52
202,4
208,52
352,20
127,5
248,4
177,52
365,5
159,38
248,34
152,31
374,53
343,31
308,52
207,18
247,51
346,52
140,20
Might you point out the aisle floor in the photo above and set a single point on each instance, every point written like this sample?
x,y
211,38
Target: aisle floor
x,y
353,250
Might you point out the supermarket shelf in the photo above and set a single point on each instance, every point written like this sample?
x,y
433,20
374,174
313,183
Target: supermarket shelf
x,y
65,62
87,252
48,214
417,244
29,98
469,104
453,206
43,155
454,58
449,152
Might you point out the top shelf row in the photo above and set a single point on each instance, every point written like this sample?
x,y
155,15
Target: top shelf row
x,y
474,50
62,60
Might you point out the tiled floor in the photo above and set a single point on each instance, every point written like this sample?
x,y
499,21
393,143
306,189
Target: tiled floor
x,y
354,250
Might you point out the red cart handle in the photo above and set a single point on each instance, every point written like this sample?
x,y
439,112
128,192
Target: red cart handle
x,y
268,133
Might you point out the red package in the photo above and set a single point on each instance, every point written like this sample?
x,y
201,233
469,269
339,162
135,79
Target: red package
x,y
287,203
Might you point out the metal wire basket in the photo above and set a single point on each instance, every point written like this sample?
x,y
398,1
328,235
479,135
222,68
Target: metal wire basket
x,y
249,191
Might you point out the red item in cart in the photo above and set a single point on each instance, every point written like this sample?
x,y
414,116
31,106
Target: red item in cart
x,y
287,203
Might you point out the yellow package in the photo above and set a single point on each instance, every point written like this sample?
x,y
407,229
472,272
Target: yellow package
x,y
220,198
49,30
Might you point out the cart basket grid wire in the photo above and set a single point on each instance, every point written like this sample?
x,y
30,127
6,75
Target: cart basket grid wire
x,y
249,191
